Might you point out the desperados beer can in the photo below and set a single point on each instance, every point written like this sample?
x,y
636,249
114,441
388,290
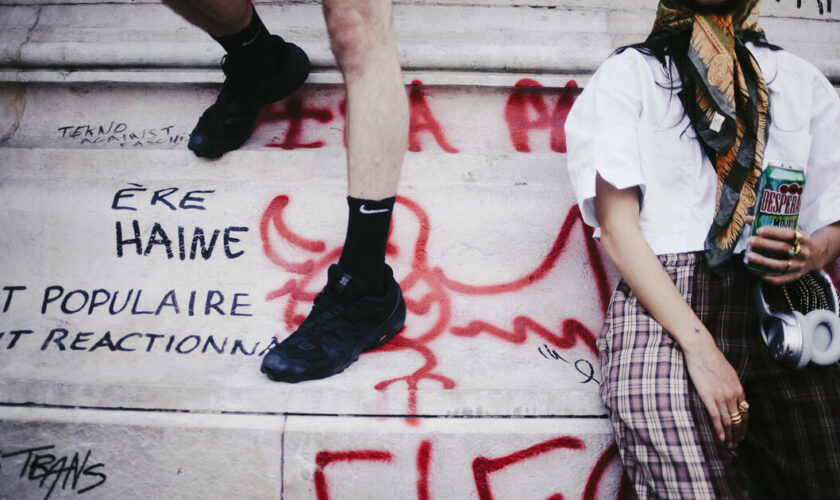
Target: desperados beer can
x,y
779,196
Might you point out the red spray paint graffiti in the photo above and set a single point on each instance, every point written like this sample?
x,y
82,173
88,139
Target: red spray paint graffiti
x,y
526,110
482,467
422,120
434,289
325,458
295,113
424,458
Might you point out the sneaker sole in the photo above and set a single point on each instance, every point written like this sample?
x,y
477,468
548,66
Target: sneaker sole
x,y
384,333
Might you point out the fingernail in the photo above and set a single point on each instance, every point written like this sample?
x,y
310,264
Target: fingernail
x,y
721,437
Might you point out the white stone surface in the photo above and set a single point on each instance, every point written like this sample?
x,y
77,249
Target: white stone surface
x,y
90,454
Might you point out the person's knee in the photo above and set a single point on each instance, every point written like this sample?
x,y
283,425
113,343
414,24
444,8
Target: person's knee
x,y
354,30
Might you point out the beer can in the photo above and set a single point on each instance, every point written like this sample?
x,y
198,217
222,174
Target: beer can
x,y
779,197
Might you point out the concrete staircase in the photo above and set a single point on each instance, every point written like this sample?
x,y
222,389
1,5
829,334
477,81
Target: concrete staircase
x,y
139,285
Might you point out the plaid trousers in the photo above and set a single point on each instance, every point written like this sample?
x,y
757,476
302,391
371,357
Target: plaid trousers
x,y
664,433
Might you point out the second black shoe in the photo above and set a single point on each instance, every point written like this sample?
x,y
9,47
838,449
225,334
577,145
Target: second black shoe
x,y
345,321
228,123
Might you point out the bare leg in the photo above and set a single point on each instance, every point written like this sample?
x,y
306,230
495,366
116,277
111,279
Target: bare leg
x,y
216,17
361,308
363,41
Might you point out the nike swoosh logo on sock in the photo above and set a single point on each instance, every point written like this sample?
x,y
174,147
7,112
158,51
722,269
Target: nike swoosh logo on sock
x,y
249,42
365,211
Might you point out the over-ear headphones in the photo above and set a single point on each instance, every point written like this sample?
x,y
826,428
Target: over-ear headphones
x,y
796,339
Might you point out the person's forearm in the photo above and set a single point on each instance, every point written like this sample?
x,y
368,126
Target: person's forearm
x,y
714,378
640,268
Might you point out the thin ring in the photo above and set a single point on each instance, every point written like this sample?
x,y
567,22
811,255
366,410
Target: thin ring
x,y
790,263
743,407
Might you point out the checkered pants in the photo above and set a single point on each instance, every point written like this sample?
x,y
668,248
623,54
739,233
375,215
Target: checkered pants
x,y
663,431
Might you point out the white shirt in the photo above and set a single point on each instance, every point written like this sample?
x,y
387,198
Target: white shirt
x,y
629,127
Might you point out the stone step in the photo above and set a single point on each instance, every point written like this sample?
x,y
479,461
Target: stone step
x,y
483,248
121,454
532,37
516,114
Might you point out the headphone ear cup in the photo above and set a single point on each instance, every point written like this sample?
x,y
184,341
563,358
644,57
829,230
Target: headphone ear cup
x,y
822,330
803,357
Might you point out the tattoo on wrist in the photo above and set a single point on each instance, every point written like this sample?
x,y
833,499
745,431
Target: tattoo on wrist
x,y
697,331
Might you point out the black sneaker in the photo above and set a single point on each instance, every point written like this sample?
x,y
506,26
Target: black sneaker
x,y
228,123
344,322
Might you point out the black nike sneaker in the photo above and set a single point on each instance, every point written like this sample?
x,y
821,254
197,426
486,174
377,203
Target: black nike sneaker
x,y
344,322
228,123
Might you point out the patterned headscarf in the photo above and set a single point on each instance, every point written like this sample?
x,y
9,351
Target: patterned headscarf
x,y
731,108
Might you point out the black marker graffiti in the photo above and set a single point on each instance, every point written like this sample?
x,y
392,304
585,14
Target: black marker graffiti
x,y
63,340
822,10
132,302
187,247
46,469
10,290
119,133
125,199
582,366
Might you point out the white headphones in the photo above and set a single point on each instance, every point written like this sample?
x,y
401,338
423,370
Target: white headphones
x,y
796,339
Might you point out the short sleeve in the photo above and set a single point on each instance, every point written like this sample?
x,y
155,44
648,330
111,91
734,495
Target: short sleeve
x,y
821,201
601,131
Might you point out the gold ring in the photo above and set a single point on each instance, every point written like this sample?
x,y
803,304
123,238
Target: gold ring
x,y
743,407
737,420
797,238
787,269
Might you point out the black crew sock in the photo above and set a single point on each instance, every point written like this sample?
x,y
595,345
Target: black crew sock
x,y
252,50
363,255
